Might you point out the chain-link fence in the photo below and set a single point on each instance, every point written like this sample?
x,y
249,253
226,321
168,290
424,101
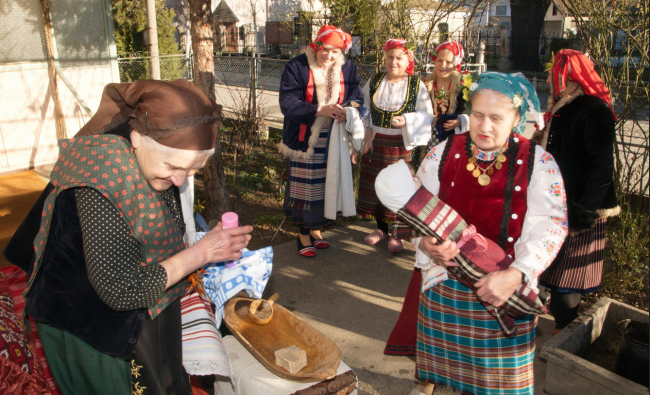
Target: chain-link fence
x,y
137,66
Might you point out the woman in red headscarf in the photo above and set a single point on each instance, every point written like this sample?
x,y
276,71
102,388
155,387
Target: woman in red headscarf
x,y
580,135
313,90
401,117
445,88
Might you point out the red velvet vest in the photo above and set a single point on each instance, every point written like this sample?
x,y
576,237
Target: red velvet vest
x,y
497,209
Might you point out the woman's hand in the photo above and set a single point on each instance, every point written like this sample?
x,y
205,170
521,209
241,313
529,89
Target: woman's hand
x,y
497,287
354,157
444,252
367,141
224,244
333,111
398,121
216,246
451,124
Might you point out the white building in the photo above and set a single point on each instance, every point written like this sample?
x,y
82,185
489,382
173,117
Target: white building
x,y
85,58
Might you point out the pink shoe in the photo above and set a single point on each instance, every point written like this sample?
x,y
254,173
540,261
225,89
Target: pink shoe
x,y
375,237
395,245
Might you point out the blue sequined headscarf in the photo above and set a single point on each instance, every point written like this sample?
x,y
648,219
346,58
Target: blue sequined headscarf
x,y
517,88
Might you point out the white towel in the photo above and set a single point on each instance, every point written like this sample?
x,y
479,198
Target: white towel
x,y
417,130
339,189
394,186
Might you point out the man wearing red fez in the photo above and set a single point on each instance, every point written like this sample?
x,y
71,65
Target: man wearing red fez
x,y
580,135
314,89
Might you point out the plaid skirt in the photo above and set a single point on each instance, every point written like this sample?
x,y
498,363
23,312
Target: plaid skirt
x,y
304,198
461,345
386,150
578,267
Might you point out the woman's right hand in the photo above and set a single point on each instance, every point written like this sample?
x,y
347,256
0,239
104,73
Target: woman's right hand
x,y
444,252
367,141
333,111
224,244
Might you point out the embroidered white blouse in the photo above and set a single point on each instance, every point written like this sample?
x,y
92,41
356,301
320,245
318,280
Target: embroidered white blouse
x,y
545,225
390,97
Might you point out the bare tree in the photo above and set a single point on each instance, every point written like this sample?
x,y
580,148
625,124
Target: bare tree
x,y
216,194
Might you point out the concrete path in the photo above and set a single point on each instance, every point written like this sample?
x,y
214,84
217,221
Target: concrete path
x,y
353,293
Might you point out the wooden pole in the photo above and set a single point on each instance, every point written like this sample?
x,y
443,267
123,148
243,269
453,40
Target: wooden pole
x,y
59,119
152,34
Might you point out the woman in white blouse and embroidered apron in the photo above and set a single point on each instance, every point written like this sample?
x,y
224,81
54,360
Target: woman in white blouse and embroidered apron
x,y
401,117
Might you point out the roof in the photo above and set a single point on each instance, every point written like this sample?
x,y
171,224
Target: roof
x,y
560,7
224,14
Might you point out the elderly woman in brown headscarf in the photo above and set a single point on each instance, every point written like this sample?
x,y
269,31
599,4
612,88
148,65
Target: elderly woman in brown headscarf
x,y
109,258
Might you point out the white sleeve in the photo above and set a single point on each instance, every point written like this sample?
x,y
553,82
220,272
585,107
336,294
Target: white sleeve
x,y
367,101
546,224
464,124
428,171
418,123
428,174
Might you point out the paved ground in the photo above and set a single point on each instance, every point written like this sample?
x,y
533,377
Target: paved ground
x,y
353,293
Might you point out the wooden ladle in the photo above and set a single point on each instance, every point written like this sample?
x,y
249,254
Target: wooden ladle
x,y
261,311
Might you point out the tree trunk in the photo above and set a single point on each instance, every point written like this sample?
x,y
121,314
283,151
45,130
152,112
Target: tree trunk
x,y
217,200
527,22
59,118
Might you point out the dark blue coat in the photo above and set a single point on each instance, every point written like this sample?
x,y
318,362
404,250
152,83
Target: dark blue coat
x,y
296,110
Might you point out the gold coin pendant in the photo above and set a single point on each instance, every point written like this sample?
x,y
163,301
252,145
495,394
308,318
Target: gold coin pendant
x,y
472,160
501,158
476,173
471,166
498,165
484,180
490,171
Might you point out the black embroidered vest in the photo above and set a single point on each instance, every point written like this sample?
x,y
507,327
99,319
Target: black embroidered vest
x,y
381,117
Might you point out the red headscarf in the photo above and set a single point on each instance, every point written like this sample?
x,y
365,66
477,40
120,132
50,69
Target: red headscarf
x,y
572,65
334,36
400,43
455,48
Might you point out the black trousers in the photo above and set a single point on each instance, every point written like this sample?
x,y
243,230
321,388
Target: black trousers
x,y
563,306
381,225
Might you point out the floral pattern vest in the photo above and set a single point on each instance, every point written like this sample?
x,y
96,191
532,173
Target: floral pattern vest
x,y
106,164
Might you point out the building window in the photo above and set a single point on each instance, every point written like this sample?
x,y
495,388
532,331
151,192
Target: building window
x,y
242,33
554,9
302,29
501,10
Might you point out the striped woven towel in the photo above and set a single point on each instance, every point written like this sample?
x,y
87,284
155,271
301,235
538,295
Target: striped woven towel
x,y
427,215
203,350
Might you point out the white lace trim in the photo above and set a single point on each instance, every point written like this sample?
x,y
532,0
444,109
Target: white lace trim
x,y
209,367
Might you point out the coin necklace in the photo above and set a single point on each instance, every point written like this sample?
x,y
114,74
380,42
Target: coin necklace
x,y
484,179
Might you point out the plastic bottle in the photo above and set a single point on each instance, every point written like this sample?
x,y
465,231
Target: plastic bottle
x,y
229,220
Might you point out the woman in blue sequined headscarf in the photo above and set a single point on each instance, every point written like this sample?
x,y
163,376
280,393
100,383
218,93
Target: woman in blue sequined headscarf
x,y
511,190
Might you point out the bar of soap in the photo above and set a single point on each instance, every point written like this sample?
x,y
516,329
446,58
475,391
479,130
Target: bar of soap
x,y
291,358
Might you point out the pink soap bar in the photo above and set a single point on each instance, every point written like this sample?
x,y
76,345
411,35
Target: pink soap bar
x,y
229,220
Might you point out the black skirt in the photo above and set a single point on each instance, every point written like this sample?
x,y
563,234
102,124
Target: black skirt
x,y
158,355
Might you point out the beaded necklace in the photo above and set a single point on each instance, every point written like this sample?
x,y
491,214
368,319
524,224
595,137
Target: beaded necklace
x,y
441,96
496,157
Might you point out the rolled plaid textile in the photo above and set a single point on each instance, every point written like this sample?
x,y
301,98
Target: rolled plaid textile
x,y
430,216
